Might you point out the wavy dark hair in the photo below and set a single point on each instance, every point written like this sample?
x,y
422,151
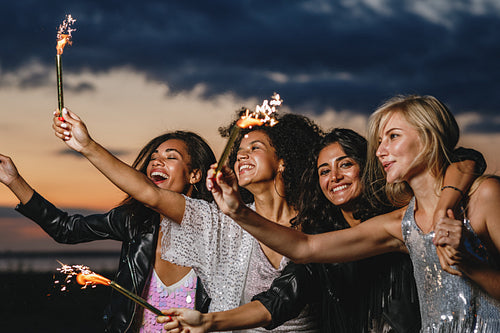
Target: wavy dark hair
x,y
316,213
292,138
199,151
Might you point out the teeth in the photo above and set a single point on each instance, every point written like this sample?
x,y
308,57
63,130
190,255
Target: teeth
x,y
158,173
339,188
246,166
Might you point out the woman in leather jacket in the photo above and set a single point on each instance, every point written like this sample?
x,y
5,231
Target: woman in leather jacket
x,y
372,295
175,160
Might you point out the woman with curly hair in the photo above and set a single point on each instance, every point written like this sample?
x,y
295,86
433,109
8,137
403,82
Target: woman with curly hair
x,y
456,261
232,265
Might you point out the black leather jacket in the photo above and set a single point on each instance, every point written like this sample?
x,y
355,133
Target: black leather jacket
x,y
347,295
138,234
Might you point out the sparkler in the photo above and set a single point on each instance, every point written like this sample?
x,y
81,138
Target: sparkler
x,y
63,38
263,115
86,277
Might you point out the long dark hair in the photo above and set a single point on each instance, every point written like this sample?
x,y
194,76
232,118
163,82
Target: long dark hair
x,y
199,151
316,213
292,138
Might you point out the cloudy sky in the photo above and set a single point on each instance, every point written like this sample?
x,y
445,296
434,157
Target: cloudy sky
x,y
139,68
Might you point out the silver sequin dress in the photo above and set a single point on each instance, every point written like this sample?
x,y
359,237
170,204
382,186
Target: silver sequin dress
x,y
227,259
448,303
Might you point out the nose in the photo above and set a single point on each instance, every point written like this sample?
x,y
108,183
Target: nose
x,y
157,161
242,155
381,150
335,175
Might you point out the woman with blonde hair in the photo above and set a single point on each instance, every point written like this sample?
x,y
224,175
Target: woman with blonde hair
x,y
456,261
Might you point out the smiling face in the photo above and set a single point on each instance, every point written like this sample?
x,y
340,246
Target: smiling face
x,y
399,146
339,175
169,167
256,160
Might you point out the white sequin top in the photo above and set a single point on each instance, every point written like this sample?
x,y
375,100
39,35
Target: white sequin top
x,y
227,259
448,303
216,247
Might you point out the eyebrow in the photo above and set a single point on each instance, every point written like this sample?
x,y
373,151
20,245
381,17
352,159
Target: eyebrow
x,y
337,159
168,150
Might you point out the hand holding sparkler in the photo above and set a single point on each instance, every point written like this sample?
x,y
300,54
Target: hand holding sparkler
x,y
224,187
72,130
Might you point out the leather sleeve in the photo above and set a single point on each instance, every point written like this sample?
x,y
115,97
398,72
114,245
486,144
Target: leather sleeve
x,y
72,229
288,294
464,154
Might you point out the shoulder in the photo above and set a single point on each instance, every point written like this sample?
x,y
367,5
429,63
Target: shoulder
x,y
486,187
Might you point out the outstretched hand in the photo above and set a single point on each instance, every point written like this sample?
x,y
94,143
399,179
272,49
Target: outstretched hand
x,y
179,320
224,188
71,130
8,171
448,241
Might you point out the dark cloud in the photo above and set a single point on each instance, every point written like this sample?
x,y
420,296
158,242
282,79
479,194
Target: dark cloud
x,y
341,55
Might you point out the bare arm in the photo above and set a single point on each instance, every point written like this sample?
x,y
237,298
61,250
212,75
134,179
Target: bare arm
x,y
75,134
249,315
13,180
483,213
378,235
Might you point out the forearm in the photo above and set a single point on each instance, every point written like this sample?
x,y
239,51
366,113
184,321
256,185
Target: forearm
x,y
457,181
21,189
486,277
135,183
250,315
287,241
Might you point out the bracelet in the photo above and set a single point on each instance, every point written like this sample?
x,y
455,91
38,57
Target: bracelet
x,y
454,188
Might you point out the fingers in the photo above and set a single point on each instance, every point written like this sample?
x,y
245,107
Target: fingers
x,y
446,262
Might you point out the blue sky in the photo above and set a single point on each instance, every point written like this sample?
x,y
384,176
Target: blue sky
x,y
138,68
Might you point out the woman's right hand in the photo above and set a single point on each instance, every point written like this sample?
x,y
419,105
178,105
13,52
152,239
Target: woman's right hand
x,y
179,320
224,188
71,130
8,171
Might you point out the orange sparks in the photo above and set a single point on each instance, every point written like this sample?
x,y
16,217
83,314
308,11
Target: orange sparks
x,y
263,114
86,279
64,34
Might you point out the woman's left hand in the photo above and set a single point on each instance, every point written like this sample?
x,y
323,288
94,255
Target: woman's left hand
x,y
448,242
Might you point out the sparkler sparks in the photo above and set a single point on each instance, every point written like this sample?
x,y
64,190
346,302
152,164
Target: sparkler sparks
x,y
263,115
63,37
84,276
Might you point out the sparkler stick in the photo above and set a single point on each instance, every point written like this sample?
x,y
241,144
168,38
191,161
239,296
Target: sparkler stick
x,y
263,115
63,38
86,277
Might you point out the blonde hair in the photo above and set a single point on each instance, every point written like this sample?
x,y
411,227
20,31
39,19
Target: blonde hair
x,y
438,132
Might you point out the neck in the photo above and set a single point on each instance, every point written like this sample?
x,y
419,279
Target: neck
x,y
348,216
273,207
426,198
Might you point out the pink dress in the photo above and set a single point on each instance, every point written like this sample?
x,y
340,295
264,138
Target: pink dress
x,y
178,295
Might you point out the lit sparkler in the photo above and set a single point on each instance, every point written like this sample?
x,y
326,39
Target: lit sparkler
x,y
84,276
63,38
263,115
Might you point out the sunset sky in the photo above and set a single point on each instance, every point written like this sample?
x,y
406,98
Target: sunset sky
x,y
137,69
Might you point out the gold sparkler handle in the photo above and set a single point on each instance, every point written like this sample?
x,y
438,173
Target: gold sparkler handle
x,y
135,298
229,145
60,101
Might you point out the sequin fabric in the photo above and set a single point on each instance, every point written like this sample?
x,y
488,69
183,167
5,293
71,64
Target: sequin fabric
x,y
179,295
215,246
448,303
260,276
